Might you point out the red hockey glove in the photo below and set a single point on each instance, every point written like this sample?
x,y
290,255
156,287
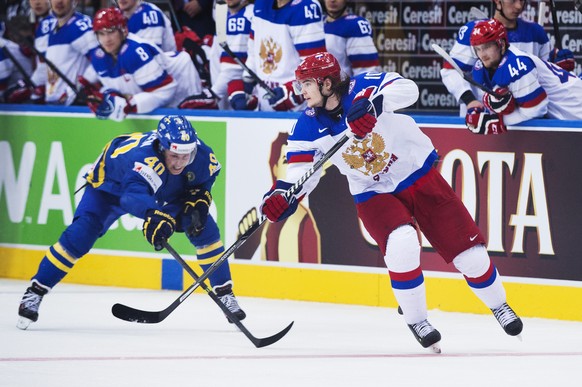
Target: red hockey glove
x,y
563,58
502,105
285,98
20,92
92,94
204,100
479,122
361,116
275,207
186,33
238,98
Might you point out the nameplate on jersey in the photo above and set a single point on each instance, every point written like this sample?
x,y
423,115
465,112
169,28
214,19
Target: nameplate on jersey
x,y
148,174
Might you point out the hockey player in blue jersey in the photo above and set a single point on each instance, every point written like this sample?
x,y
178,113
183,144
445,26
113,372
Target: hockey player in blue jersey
x,y
137,77
164,177
529,87
389,168
525,35
349,38
147,21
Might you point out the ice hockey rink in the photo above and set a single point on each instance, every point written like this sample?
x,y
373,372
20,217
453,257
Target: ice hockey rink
x,y
78,342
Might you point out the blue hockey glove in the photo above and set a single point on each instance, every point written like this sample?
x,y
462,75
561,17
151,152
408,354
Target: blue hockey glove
x,y
285,98
238,97
158,227
114,106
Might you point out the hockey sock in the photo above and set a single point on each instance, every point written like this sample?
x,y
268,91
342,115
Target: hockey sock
x,y
481,276
56,263
209,254
403,261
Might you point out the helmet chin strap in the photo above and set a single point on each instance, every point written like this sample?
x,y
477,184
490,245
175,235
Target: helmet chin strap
x,y
336,112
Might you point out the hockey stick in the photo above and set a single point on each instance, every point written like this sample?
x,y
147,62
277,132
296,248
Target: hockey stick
x,y
578,5
54,68
557,35
231,316
26,77
439,50
541,12
261,83
476,14
142,316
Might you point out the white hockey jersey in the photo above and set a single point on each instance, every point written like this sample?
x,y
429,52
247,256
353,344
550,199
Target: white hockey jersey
x,y
151,77
68,49
281,38
41,35
527,36
390,159
349,39
238,28
9,73
150,23
540,88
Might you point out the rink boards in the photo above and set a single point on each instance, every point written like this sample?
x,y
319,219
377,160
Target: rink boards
x,y
522,188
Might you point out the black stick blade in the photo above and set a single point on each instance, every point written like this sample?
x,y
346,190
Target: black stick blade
x,y
259,343
127,313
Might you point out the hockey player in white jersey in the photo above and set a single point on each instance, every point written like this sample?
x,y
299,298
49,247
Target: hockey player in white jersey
x,y
283,33
522,34
229,84
349,38
137,77
11,79
529,87
45,22
70,43
147,21
389,167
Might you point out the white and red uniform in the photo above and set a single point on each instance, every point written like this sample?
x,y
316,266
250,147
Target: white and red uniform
x,y
238,29
280,39
527,36
150,23
349,39
391,177
41,35
9,73
69,47
150,77
540,88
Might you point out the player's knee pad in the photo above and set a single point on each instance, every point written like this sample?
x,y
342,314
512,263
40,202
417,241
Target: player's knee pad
x,y
81,235
402,250
473,262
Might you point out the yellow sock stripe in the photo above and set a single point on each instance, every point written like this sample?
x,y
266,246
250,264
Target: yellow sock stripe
x,y
59,249
209,248
100,168
55,261
211,260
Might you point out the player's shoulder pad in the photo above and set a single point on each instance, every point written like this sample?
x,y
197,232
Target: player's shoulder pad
x,y
464,34
303,12
533,31
349,26
306,127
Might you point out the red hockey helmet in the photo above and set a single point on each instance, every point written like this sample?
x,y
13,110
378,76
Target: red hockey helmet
x,y
109,18
319,66
487,31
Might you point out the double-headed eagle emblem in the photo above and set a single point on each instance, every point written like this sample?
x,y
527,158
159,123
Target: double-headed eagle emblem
x,y
367,155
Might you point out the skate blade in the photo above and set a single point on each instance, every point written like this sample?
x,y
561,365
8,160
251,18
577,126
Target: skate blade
x,y
23,323
436,347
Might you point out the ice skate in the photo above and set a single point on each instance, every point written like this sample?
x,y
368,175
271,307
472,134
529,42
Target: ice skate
x,y
224,292
28,309
426,335
508,320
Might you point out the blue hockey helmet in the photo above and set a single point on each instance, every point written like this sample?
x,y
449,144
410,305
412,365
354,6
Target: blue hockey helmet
x,y
176,134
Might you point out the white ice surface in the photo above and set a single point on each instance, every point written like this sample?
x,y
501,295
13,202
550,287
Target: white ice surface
x,y
78,342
